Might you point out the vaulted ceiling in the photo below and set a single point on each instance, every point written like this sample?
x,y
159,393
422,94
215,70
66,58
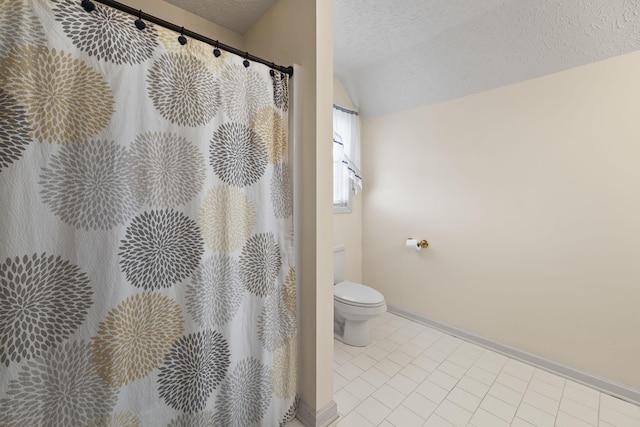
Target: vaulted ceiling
x,y
393,55
236,15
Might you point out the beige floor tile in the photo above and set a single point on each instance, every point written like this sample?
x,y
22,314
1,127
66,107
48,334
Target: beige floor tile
x,y
535,416
388,367
389,396
548,405
453,413
413,375
437,421
505,394
473,386
432,391
349,371
346,402
359,388
443,379
482,418
580,411
498,408
375,377
577,393
512,382
420,405
565,420
411,371
464,399
481,375
374,411
402,416
354,419
403,384
363,361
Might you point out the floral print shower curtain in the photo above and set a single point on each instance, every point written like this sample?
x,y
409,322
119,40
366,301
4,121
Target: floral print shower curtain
x,y
146,238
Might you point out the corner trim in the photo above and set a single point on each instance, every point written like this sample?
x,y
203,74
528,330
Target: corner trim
x,y
602,384
325,416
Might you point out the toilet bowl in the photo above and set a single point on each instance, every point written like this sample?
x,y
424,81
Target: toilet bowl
x,y
354,305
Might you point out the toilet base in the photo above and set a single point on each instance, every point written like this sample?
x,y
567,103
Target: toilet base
x,y
354,332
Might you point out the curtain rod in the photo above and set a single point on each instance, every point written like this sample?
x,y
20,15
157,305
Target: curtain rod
x,y
344,109
145,16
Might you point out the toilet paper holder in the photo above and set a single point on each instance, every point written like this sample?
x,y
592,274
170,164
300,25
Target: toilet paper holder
x,y
422,244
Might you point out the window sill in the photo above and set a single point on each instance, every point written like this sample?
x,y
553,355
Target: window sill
x,y
341,210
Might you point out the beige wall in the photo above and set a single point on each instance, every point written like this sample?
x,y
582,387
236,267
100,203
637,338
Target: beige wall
x,y
347,228
530,198
300,31
195,23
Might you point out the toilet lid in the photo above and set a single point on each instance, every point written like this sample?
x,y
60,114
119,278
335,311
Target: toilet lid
x,y
357,293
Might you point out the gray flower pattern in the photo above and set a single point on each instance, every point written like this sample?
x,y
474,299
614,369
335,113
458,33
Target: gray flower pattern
x,y
14,129
135,196
290,414
28,32
280,84
167,169
244,92
101,33
43,300
58,388
195,366
281,191
215,292
238,155
245,395
87,185
200,419
160,249
260,263
183,90
275,322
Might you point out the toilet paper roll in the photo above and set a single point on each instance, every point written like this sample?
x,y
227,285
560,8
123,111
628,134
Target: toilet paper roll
x,y
413,244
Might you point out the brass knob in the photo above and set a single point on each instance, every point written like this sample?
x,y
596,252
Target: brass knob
x,y
423,244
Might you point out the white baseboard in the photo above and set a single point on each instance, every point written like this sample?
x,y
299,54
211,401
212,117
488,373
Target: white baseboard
x,y
602,384
310,418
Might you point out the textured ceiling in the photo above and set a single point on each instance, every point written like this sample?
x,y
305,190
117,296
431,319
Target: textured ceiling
x,y
395,55
236,15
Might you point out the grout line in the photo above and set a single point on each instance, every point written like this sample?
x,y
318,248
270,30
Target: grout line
x,y
451,351
599,406
564,385
604,385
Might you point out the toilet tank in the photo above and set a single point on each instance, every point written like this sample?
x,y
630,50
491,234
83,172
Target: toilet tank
x,y
338,264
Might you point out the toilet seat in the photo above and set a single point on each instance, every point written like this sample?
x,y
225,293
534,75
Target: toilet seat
x,y
357,295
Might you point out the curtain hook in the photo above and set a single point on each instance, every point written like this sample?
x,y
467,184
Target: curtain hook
x,y
139,22
246,61
88,6
272,72
182,39
216,51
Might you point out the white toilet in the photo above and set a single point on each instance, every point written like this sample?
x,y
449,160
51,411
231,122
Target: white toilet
x,y
354,305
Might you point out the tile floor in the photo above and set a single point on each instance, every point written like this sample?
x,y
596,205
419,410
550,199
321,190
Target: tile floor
x,y
412,375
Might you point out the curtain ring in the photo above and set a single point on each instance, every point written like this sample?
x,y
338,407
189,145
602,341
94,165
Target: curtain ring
x,y
182,39
139,22
216,51
88,6
246,60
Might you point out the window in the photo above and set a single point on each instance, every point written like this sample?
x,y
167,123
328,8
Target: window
x,y
341,187
347,179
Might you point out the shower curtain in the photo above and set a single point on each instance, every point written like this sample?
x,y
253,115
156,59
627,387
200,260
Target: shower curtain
x,y
146,252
